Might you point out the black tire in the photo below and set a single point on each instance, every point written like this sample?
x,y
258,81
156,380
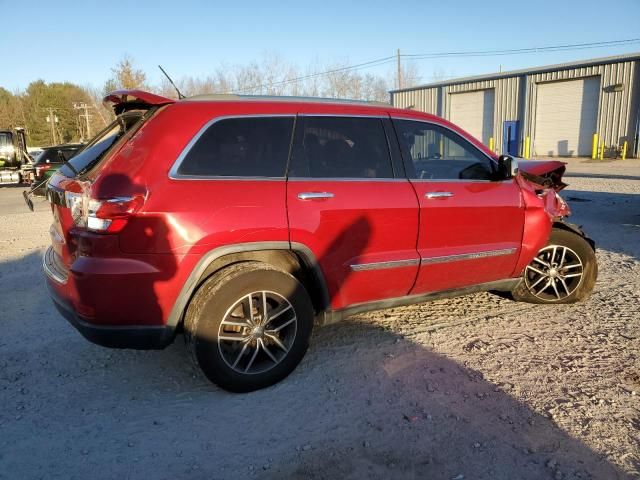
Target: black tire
x,y
575,248
219,301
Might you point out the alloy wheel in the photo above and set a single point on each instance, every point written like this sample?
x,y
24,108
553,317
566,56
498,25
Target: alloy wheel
x,y
554,274
257,332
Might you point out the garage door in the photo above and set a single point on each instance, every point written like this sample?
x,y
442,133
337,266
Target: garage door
x,y
473,112
566,116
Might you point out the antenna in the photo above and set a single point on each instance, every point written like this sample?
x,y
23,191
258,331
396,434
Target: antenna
x,y
180,95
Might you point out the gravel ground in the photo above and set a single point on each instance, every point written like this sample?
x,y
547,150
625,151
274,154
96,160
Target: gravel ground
x,y
476,387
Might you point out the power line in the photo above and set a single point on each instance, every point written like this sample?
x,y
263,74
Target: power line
x,y
372,63
422,56
575,46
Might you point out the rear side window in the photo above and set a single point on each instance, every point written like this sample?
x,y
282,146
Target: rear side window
x,y
240,147
342,147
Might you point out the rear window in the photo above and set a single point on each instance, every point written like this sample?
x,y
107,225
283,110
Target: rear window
x,y
240,147
49,155
52,155
90,155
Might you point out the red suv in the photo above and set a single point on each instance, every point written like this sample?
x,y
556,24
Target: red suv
x,y
242,221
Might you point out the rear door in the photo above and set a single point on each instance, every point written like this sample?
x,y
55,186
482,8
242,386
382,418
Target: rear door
x,y
348,205
470,222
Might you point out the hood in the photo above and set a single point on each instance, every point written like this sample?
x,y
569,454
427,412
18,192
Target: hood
x,y
547,173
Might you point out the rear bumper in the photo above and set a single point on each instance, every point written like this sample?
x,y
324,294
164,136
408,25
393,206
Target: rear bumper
x,y
135,337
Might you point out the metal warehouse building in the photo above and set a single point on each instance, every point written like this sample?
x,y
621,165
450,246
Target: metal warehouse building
x,y
546,111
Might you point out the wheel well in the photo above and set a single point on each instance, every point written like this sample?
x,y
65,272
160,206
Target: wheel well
x,y
570,227
294,263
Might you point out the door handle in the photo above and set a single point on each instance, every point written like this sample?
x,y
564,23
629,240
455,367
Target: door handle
x,y
431,195
314,195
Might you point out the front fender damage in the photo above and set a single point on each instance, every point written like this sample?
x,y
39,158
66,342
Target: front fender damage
x,y
543,207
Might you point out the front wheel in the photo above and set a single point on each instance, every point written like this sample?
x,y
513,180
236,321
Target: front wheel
x,y
248,326
564,271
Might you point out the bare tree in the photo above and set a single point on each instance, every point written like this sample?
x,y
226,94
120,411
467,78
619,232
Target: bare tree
x,y
104,114
125,75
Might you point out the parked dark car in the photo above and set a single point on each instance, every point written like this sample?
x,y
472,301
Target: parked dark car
x,y
244,222
49,161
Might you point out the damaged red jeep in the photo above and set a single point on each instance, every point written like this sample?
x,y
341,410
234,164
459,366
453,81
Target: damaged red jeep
x,y
245,221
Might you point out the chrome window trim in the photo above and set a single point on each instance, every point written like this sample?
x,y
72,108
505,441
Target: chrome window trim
x,y
458,180
343,115
345,179
359,267
467,256
221,177
173,172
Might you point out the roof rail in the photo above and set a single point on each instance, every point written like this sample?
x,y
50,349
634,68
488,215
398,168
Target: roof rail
x,y
222,97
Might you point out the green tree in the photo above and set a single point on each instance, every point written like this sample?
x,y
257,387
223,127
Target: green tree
x,y
44,103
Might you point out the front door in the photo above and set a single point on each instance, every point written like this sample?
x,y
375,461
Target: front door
x,y
348,207
470,222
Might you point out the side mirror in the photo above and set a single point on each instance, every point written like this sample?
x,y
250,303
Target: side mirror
x,y
508,166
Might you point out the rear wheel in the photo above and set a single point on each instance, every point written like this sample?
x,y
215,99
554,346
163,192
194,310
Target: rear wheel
x,y
564,271
248,326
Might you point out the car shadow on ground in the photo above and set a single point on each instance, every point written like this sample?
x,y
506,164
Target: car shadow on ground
x,y
611,219
601,176
364,403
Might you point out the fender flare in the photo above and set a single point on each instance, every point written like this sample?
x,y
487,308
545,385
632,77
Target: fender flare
x,y
195,277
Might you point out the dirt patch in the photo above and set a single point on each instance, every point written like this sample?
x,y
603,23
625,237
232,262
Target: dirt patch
x,y
473,387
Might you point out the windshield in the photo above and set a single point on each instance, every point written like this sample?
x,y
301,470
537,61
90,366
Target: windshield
x,y
5,140
90,155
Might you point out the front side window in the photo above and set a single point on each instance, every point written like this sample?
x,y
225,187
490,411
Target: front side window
x,y
241,147
342,147
432,152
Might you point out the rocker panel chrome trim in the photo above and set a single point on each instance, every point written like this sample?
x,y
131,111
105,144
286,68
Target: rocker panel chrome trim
x,y
467,256
359,267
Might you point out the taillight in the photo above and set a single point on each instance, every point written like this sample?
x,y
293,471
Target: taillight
x,y
77,204
40,169
111,215
107,215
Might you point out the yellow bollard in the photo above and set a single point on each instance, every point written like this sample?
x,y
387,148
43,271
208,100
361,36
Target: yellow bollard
x,y
594,147
527,147
624,150
491,143
602,151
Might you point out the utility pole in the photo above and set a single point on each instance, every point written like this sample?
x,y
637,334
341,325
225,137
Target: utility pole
x,y
84,107
399,71
52,119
